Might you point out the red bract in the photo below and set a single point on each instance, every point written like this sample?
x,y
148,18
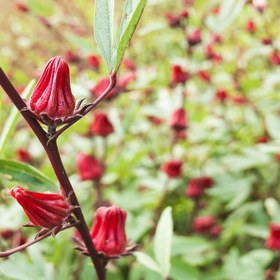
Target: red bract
x,y
108,231
194,38
203,224
46,210
273,240
93,61
101,125
178,75
52,100
178,120
173,168
89,168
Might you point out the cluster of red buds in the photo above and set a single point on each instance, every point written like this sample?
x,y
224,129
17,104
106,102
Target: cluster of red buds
x,y
196,186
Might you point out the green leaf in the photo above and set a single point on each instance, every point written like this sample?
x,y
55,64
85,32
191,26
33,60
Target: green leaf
x,y
12,120
26,174
147,261
163,241
103,29
132,12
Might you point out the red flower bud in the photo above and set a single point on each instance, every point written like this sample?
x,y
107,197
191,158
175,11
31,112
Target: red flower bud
x,y
173,20
46,210
23,155
203,224
100,87
196,186
178,120
173,168
250,26
93,61
275,57
129,64
88,167
266,41
52,100
71,56
221,95
239,99
108,231
204,76
273,240
194,38
22,7
101,125
178,75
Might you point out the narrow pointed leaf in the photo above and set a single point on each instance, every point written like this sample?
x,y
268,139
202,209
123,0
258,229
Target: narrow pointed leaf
x,y
132,12
163,241
103,29
26,174
147,261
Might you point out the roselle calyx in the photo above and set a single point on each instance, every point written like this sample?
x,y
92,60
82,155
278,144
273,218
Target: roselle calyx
x,y
101,125
52,101
178,120
273,240
46,210
108,231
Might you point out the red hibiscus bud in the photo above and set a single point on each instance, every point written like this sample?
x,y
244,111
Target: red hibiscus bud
x,y
89,168
221,95
260,5
71,57
250,26
155,120
173,168
108,231
22,7
194,38
197,186
52,100
216,230
239,99
216,38
101,86
178,120
266,41
204,76
129,64
173,20
262,139
101,125
203,224
178,75
273,240
275,57
23,155
93,61
46,210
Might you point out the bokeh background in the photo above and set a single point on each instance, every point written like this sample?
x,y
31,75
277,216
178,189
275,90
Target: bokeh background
x,y
218,61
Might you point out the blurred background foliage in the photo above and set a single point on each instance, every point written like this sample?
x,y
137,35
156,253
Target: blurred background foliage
x,y
234,140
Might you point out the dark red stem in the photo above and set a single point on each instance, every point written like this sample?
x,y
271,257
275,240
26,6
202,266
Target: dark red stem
x,y
51,149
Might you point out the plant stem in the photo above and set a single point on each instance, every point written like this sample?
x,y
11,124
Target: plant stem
x,y
51,149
